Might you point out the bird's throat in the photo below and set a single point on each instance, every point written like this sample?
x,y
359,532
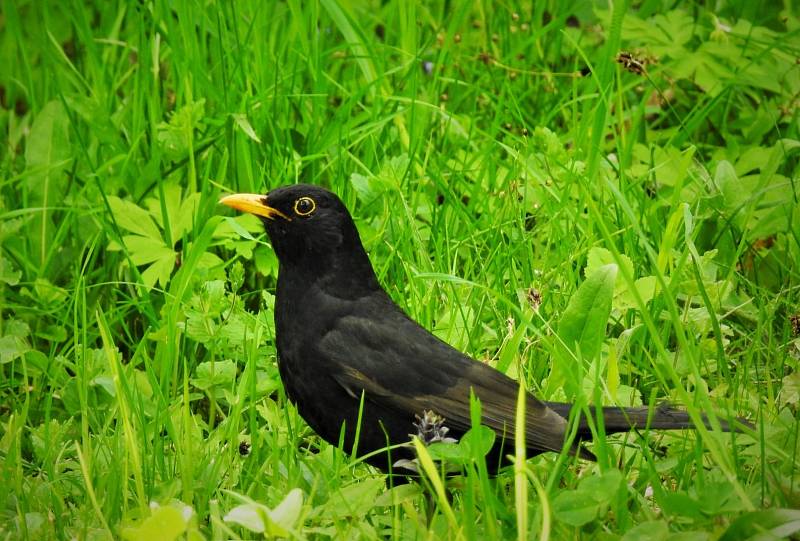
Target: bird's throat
x,y
344,276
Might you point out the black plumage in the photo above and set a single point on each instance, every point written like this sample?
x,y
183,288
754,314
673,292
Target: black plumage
x,y
339,335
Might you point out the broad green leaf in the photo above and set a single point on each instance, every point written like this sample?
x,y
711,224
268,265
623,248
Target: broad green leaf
x,y
9,228
681,504
448,452
598,257
133,218
589,500
790,389
704,69
654,530
478,441
159,271
35,524
213,374
286,514
646,287
719,497
741,71
623,296
664,34
764,525
48,293
399,494
213,264
7,273
259,518
251,516
627,396
145,250
200,327
106,383
47,152
393,170
165,524
583,323
603,487
266,383
354,500
12,347
575,508
751,159
213,293
52,333
16,327
38,362
772,218
234,329
266,261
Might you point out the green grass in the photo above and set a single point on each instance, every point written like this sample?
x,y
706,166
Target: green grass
x,y
496,157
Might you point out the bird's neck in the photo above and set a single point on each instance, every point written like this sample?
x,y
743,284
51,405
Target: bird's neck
x,y
346,273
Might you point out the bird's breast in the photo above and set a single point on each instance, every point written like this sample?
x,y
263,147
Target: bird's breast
x,y
302,316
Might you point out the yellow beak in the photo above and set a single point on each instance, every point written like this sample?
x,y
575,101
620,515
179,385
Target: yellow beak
x,y
254,204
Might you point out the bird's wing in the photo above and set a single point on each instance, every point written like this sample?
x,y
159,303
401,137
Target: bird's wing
x,y
399,364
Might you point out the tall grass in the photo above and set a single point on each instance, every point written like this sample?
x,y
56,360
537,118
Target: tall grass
x,y
491,155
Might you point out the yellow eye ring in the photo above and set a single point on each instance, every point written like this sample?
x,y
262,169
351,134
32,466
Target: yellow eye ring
x,y
304,206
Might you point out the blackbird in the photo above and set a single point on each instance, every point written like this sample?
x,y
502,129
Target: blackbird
x,y
339,335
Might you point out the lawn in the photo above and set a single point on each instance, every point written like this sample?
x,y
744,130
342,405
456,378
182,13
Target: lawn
x,y
599,199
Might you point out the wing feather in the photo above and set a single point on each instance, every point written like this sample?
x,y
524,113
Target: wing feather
x,y
404,367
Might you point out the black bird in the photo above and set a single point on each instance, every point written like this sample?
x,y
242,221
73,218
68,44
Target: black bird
x,y
340,335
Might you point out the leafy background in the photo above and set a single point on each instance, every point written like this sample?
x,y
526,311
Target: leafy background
x,y
599,201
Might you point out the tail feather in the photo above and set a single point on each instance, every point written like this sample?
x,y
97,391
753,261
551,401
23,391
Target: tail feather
x,y
615,419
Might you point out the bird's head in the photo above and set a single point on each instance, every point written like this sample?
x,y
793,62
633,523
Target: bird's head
x,y
309,227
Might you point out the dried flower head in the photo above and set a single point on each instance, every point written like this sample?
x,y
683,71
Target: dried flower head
x,y
430,428
534,298
795,322
635,62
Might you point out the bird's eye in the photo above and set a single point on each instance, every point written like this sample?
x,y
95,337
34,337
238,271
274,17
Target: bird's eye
x,y
304,206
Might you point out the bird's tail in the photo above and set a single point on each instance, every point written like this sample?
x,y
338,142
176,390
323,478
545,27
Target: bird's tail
x,y
662,417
